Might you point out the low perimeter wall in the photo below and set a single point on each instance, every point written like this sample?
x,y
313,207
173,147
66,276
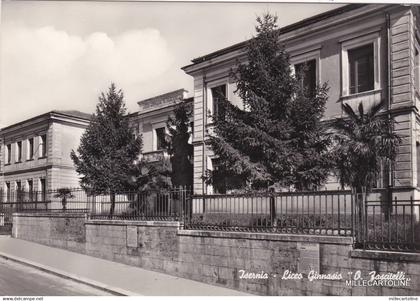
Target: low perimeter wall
x,y
263,264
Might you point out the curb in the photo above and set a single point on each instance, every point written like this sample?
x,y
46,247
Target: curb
x,y
65,275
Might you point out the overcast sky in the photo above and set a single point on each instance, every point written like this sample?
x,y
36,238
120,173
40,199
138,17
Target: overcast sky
x,y
61,55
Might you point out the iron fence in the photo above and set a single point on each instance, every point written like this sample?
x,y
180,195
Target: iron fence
x,y
141,205
387,225
373,220
317,212
134,205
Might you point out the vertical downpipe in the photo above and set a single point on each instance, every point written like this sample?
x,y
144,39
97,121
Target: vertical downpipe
x,y
204,159
389,91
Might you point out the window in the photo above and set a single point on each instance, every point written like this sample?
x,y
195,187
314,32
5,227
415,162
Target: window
x,y
19,192
360,64
217,95
361,68
219,184
8,151
306,74
8,192
30,148
43,189
43,146
30,189
192,128
160,138
19,152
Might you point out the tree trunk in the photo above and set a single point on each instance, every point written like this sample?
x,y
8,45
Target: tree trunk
x,y
64,203
111,209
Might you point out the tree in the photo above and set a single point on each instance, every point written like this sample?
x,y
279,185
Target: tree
x,y
178,146
363,142
109,149
310,137
64,194
270,140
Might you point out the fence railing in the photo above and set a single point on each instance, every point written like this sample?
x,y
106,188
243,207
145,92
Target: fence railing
x,y
387,225
143,205
374,221
318,212
137,205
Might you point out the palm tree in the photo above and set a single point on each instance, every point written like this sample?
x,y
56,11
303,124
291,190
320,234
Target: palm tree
x,y
363,142
64,194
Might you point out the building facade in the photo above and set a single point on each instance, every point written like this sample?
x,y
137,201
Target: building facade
x,y
35,153
150,122
365,52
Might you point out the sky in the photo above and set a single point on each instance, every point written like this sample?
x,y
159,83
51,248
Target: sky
x,y
60,55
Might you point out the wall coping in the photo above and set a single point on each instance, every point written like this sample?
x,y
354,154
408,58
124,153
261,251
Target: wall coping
x,y
174,224
50,214
385,255
323,239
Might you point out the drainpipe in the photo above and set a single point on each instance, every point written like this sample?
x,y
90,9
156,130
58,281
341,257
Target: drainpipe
x,y
204,159
389,91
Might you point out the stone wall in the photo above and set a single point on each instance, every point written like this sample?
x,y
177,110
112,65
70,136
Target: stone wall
x,y
62,230
220,258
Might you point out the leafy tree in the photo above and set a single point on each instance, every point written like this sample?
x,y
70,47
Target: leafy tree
x,y
64,194
363,141
108,150
277,134
178,146
155,175
309,137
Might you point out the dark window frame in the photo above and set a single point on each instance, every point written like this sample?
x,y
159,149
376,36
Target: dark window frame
x,y
160,138
308,68
31,149
361,68
9,154
217,93
18,152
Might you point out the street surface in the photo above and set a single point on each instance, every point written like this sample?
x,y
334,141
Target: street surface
x,y
21,280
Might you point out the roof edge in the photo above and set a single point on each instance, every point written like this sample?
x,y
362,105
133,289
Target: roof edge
x,y
282,30
46,115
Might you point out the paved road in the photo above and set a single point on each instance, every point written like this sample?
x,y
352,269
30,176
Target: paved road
x,y
20,280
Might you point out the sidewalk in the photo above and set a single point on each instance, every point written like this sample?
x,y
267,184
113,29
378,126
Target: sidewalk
x,y
115,277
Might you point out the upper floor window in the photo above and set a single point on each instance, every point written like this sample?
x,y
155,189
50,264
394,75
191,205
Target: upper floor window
x,y
43,146
306,74
361,69
160,138
217,95
306,67
30,148
18,151
360,61
8,154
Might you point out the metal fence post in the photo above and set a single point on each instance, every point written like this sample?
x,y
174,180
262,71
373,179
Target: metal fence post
x,y
364,217
272,208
